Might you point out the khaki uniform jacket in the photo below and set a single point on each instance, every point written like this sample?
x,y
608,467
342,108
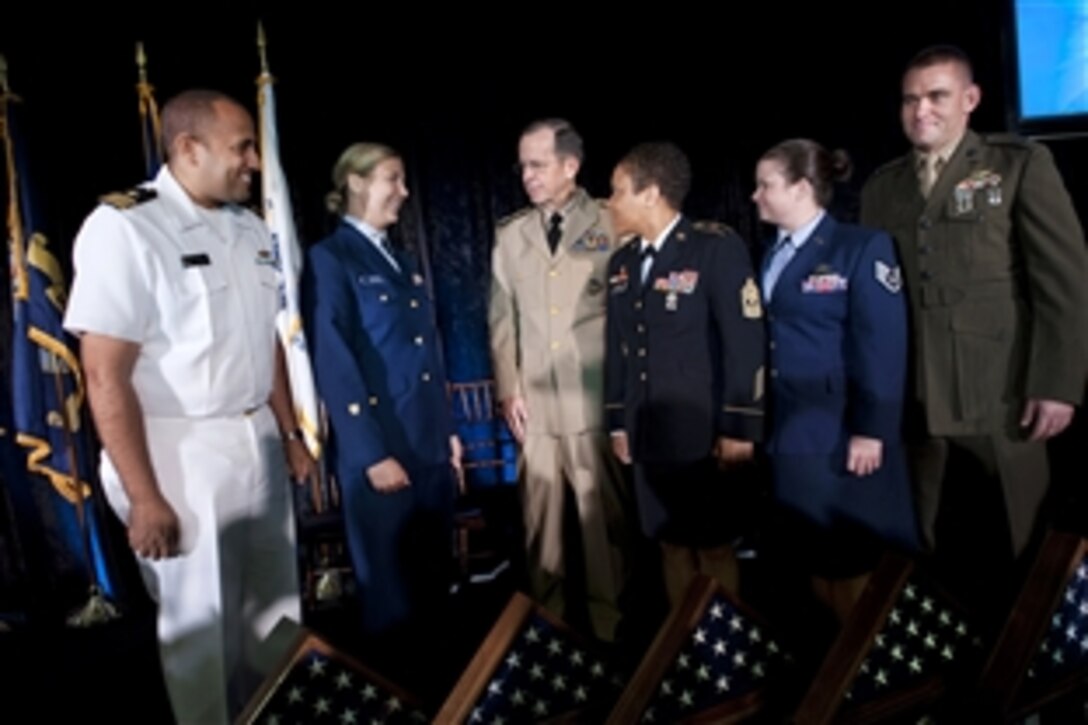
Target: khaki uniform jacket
x,y
547,316
997,279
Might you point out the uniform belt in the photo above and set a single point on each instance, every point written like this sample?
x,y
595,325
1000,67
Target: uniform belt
x,y
935,295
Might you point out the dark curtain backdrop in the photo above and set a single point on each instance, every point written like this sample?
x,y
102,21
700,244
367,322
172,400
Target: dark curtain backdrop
x,y
452,88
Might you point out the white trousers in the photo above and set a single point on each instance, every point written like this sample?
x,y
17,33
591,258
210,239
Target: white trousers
x,y
226,479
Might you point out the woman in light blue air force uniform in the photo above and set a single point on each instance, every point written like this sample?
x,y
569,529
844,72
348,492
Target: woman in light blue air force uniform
x,y
837,337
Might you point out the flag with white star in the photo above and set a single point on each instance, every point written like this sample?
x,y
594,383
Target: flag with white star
x,y
1042,652
531,668
922,636
714,657
904,643
1064,648
320,685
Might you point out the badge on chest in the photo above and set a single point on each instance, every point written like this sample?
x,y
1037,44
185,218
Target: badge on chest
x,y
824,280
676,284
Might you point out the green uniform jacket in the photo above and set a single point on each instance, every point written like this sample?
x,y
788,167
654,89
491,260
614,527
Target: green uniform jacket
x,y
997,278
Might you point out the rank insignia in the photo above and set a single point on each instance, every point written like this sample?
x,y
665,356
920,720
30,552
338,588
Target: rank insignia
x,y
889,276
749,300
417,279
265,256
128,199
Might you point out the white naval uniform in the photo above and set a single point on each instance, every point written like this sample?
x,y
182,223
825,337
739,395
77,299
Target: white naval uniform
x,y
196,289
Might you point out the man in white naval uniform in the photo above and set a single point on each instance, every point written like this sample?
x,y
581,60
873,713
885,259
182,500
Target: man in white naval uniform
x,y
175,299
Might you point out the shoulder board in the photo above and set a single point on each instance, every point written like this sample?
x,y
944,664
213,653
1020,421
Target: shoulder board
x,y
128,199
712,226
1006,139
893,164
514,217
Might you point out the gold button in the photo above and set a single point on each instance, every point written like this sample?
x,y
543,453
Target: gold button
x,y
383,297
426,377
641,328
642,377
642,352
553,273
555,311
353,408
414,304
373,400
418,340
555,345
638,304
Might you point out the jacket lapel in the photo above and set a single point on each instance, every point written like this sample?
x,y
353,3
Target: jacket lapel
x,y
367,255
959,167
801,264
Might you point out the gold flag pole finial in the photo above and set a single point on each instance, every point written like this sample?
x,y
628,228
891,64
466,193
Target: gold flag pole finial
x,y
4,75
141,62
262,45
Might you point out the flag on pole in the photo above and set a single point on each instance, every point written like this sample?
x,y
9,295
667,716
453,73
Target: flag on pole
x,y
281,225
48,393
150,124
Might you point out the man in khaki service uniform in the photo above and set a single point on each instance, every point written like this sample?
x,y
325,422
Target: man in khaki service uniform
x,y
995,270
547,314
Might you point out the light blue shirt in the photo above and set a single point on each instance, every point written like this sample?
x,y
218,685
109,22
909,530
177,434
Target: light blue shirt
x,y
785,247
377,237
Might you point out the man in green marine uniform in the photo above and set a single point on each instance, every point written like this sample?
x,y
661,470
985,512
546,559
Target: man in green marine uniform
x,y
997,277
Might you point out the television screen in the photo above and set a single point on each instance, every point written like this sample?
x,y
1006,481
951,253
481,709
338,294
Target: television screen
x,y
1051,59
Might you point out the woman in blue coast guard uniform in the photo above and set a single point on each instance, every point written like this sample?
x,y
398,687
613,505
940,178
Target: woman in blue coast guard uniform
x,y
378,368
837,349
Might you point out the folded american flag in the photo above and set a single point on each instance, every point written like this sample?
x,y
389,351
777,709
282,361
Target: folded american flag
x,y
1042,652
531,668
714,659
905,642
315,683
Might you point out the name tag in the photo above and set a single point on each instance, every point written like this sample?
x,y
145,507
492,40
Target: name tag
x,y
195,260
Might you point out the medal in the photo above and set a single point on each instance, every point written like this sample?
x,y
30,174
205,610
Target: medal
x,y
671,301
993,195
965,199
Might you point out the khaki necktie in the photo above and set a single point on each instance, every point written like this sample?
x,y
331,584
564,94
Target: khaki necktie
x,y
929,168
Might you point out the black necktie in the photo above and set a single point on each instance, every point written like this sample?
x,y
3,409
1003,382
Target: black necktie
x,y
555,231
644,268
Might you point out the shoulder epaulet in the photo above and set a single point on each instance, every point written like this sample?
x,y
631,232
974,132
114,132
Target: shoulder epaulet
x,y
513,217
1006,139
128,199
712,226
893,164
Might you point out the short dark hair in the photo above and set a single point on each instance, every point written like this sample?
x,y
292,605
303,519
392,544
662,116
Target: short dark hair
x,y
661,163
937,54
803,158
188,111
568,142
